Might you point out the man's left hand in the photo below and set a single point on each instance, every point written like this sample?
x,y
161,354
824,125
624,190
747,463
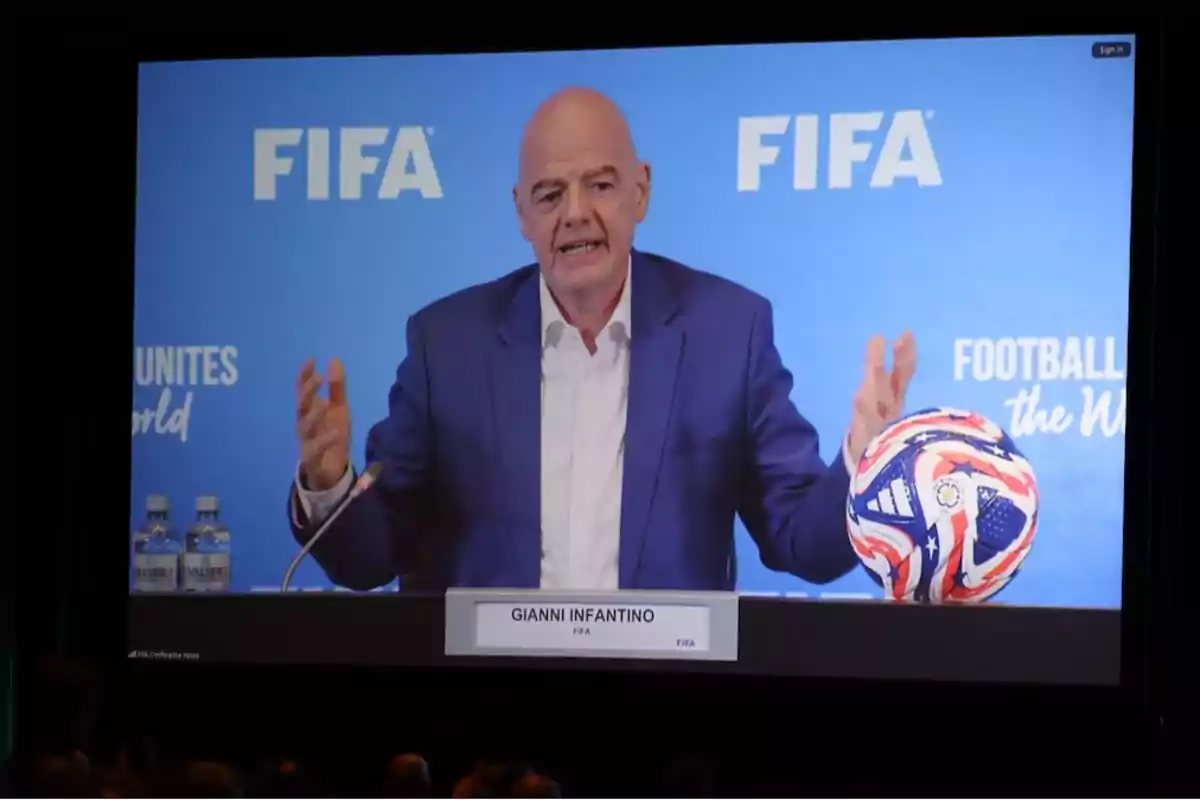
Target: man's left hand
x,y
879,401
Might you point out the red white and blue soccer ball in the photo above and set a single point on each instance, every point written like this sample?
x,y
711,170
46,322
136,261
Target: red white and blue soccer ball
x,y
943,508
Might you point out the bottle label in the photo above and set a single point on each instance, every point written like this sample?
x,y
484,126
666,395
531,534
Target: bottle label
x,y
206,572
155,572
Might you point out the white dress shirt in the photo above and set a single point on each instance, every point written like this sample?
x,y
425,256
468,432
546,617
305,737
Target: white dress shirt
x,y
584,401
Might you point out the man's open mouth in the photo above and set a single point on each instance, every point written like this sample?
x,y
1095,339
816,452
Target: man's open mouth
x,y
580,247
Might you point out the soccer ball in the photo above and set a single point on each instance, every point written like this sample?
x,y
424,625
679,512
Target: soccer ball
x,y
942,508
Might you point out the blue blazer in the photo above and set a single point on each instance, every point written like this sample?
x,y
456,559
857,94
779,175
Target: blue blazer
x,y
711,433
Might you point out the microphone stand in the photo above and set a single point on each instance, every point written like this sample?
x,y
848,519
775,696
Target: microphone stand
x,y
365,481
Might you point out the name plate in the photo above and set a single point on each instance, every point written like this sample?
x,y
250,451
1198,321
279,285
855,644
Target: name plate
x,y
626,624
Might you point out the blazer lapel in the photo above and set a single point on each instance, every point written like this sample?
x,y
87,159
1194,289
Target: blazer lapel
x,y
655,355
516,382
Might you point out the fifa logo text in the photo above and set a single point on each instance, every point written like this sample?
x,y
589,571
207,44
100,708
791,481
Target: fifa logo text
x,y
906,131
409,144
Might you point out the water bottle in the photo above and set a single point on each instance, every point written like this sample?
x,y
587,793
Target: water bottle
x,y
206,556
155,553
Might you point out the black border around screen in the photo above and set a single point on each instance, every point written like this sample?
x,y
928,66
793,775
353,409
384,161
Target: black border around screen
x,y
1030,645
780,637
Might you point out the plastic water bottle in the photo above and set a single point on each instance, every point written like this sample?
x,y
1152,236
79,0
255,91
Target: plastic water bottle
x,y
207,560
155,553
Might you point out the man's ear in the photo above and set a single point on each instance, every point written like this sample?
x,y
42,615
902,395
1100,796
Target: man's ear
x,y
643,186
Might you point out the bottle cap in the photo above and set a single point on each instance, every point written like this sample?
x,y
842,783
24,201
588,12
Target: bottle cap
x,y
158,504
207,504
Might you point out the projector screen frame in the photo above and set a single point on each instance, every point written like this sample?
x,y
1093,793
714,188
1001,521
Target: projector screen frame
x,y
1138,559
777,636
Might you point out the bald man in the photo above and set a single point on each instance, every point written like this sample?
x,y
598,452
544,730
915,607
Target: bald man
x,y
595,420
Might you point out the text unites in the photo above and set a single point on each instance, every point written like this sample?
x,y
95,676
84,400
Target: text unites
x,y
184,369
407,162
906,150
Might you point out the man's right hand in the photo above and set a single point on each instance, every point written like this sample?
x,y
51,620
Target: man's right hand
x,y
322,426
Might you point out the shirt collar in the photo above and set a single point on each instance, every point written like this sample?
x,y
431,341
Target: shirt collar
x,y
553,324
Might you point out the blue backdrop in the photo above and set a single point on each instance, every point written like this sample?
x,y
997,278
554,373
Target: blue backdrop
x,y
1009,264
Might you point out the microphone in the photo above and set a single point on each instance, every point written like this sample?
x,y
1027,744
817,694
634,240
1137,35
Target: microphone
x,y
364,482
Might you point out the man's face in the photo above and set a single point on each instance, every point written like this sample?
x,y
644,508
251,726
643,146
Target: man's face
x,y
580,197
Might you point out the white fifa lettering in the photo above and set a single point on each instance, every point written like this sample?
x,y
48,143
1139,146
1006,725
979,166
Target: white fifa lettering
x,y
355,162
318,163
752,153
844,151
410,143
906,151
807,142
353,165
908,128
268,164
